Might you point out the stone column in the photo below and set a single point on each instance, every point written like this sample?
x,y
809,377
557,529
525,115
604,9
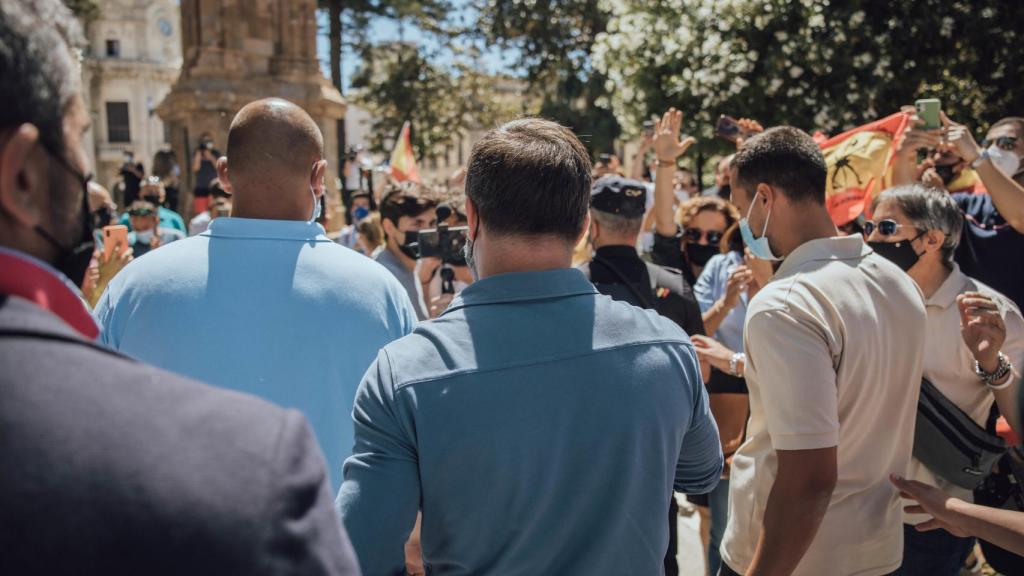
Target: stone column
x,y
237,51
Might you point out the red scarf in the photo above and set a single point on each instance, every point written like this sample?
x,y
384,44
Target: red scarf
x,y
23,278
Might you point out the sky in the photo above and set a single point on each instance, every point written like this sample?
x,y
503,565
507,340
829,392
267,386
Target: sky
x,y
494,60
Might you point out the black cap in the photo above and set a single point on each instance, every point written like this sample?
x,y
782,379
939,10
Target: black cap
x,y
619,196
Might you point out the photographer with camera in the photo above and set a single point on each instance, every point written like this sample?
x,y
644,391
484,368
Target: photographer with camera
x,y
404,212
131,173
570,413
204,171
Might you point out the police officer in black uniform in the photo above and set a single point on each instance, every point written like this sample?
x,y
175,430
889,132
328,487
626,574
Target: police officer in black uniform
x,y
617,212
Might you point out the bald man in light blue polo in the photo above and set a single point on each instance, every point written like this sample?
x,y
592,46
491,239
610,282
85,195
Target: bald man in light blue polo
x,y
264,301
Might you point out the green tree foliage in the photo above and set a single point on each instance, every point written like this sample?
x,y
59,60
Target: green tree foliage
x,y
555,40
817,64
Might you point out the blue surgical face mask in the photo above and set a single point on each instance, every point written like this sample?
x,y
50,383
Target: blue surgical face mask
x,y
360,212
759,247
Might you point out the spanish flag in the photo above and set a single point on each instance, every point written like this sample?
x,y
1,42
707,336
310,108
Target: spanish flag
x,y
403,161
859,165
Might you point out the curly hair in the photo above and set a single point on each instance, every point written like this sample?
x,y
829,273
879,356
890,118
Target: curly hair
x,y
689,209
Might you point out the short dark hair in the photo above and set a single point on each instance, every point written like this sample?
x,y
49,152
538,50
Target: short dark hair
x,y
530,177
404,202
786,158
38,72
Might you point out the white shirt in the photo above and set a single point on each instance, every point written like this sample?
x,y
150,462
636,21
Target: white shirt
x,y
834,358
949,364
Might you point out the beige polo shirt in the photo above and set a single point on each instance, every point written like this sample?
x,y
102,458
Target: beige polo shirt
x,y
949,364
835,348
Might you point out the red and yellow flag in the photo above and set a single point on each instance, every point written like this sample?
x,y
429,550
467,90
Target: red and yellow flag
x,y
403,161
859,164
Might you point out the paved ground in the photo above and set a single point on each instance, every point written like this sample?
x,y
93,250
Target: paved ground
x,y
691,553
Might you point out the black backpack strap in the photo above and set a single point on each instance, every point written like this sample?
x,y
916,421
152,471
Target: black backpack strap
x,y
646,299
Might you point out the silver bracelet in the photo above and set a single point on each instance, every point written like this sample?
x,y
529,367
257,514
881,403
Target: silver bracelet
x,y
734,364
1003,368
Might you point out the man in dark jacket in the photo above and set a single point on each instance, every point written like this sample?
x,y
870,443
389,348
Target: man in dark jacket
x,y
108,466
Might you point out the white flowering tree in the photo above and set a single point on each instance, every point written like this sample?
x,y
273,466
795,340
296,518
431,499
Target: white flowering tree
x,y
816,64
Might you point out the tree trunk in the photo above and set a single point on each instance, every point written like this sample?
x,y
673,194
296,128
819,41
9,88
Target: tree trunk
x,y
334,15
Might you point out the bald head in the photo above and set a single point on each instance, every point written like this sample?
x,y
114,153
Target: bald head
x,y
273,138
274,157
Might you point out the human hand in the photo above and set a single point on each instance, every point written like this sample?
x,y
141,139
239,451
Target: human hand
x,y
761,269
738,281
92,275
934,502
982,328
667,145
958,139
914,138
712,352
749,127
930,177
427,267
109,266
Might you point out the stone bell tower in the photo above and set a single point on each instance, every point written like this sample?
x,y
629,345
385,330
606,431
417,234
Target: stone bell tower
x,y
237,51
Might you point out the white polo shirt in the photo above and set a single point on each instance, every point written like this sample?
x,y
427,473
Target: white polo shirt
x,y
835,350
949,364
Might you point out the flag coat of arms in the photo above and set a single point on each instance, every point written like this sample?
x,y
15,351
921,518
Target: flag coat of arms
x,y
403,161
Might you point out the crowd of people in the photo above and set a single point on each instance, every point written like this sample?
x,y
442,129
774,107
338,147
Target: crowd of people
x,y
515,372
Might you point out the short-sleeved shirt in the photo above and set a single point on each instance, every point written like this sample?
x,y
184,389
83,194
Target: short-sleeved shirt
x,y
710,287
834,356
540,427
990,249
269,307
408,279
949,364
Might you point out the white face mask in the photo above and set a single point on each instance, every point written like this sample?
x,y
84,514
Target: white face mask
x,y
144,237
1005,160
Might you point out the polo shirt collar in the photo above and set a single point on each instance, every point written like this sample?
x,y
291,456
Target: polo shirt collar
x,y
946,295
834,248
523,287
28,277
227,227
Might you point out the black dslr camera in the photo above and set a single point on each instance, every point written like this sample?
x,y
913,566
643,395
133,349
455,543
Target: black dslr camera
x,y
444,243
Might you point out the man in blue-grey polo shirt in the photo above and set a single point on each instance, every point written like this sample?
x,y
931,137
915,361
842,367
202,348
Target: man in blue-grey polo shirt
x,y
537,424
264,301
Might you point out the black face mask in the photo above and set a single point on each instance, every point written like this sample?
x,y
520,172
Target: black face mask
x,y
103,217
946,173
411,245
899,253
725,192
699,254
73,261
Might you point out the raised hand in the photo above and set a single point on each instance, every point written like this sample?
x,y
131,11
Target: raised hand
x,y
982,328
749,127
958,138
667,145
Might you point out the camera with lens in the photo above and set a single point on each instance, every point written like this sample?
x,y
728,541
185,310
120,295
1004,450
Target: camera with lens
x,y
444,243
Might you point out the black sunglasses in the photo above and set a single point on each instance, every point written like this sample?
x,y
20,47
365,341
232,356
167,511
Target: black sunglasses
x,y
1003,142
695,234
141,212
885,227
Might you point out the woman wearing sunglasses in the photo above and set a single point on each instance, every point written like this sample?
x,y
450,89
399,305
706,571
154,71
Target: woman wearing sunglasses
x,y
993,231
974,346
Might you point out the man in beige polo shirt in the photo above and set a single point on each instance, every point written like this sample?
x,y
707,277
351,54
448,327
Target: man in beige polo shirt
x,y
918,228
835,345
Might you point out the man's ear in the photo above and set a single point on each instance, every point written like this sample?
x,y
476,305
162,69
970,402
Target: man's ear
x,y
591,230
20,184
390,230
316,180
472,220
933,240
222,174
768,195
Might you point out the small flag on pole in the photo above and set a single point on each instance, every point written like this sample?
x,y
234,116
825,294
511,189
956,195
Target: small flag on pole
x,y
403,161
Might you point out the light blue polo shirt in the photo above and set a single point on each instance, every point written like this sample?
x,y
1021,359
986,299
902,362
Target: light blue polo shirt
x,y
269,307
540,427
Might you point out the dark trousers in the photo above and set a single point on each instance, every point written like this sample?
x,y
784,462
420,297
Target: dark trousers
x,y
726,571
933,553
671,564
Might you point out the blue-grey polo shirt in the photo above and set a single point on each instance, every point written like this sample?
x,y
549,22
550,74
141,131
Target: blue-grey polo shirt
x,y
269,307
539,425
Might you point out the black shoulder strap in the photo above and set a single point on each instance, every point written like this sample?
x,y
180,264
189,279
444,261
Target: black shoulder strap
x,y
646,299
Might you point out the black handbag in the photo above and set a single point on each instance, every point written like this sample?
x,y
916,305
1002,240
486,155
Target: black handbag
x,y
950,443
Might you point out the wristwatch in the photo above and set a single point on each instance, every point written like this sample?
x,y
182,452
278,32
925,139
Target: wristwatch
x,y
734,364
981,158
1002,369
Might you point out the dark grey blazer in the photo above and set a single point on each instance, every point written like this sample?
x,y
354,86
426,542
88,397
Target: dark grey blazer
x,y
109,466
